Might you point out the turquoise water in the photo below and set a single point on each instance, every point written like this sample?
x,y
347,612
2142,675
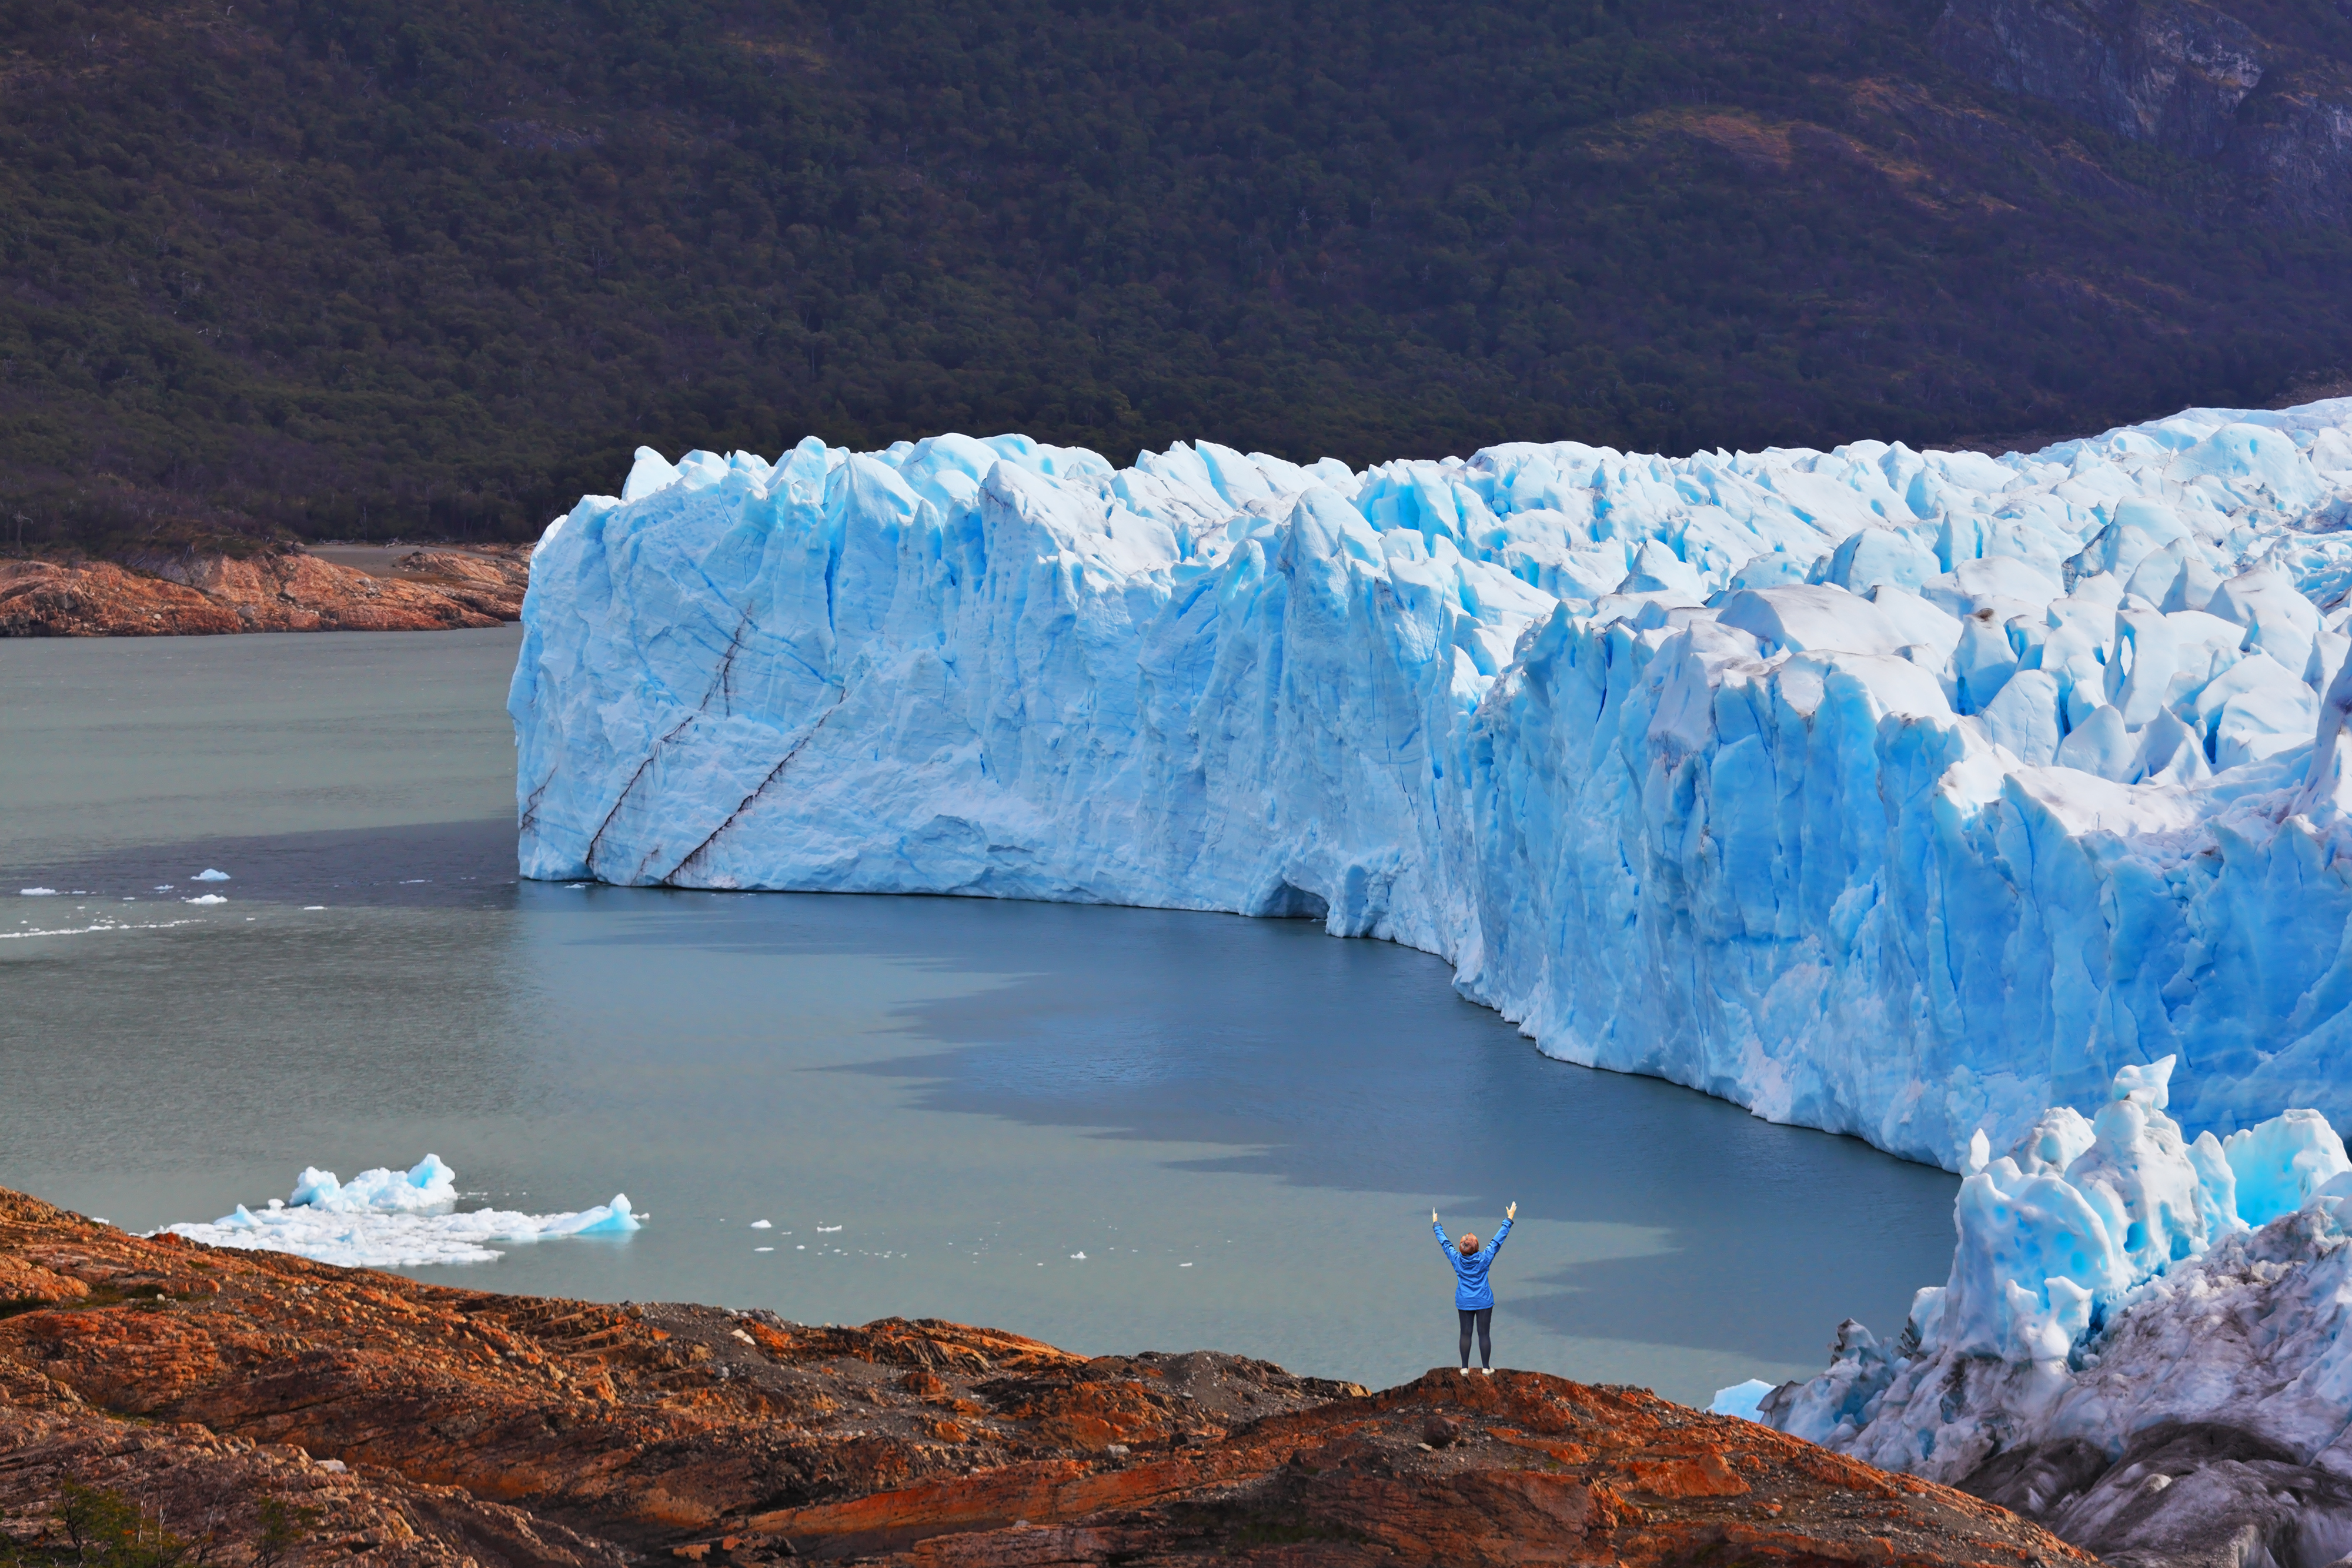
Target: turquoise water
x,y
1242,1124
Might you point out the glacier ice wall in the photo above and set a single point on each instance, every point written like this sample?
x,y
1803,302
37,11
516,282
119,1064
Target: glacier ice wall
x,y
1897,793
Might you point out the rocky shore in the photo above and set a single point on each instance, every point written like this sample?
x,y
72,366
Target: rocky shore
x,y
251,1408
164,592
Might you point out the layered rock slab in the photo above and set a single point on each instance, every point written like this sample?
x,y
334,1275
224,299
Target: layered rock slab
x,y
429,1425
1520,1467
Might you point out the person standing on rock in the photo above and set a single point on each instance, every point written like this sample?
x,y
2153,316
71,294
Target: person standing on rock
x,y
1474,1298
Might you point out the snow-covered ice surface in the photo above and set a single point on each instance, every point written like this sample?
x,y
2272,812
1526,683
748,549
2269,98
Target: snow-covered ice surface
x,y
2142,1343
1891,792
385,1219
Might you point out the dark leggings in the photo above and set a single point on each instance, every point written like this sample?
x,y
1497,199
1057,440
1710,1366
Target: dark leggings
x,y
1484,1318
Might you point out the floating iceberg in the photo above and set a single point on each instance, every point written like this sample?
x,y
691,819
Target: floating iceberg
x,y
210,875
2143,1341
395,1220
1897,793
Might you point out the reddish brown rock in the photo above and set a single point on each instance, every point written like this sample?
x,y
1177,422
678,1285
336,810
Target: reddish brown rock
x,y
521,1430
489,582
165,592
1534,1470
210,1490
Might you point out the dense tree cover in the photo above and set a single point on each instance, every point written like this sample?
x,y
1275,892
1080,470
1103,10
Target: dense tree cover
x,y
376,267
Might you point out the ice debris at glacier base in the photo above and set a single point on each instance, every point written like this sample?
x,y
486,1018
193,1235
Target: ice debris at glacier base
x,y
1741,1399
2142,1342
1892,792
385,1219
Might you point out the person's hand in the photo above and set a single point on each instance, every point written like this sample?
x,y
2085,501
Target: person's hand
x,y
1433,1216
1512,1212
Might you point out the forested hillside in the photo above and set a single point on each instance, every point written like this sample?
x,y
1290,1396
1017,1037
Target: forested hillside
x,y
353,267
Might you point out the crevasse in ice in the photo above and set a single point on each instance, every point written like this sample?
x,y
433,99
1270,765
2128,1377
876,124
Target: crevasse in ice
x,y
1898,793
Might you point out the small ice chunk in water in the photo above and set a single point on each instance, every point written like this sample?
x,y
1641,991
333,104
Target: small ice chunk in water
x,y
761,1225
614,1218
764,1249
1741,1398
1077,1257
205,898
826,1229
210,875
37,892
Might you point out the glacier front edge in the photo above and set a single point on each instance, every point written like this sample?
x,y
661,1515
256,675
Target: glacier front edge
x,y
1900,794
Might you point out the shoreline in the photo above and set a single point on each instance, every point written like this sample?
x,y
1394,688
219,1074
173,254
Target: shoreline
x,y
397,1422
163,591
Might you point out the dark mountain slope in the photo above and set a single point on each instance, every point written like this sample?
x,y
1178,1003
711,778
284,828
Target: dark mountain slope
x,y
366,268
2262,89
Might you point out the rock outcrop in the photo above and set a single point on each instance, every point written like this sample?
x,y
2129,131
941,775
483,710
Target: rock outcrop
x,y
394,1422
2182,75
162,593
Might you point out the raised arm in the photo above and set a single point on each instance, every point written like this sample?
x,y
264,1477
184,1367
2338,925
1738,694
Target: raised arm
x,y
1443,1244
1496,1245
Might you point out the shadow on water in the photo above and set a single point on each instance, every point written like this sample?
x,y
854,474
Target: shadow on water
x,y
1344,1065
1244,1119
1354,1065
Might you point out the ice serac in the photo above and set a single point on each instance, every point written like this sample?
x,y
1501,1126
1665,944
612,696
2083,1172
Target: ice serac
x,y
2142,1342
1898,793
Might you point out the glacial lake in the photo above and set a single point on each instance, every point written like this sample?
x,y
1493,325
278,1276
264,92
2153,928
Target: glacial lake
x,y
938,1103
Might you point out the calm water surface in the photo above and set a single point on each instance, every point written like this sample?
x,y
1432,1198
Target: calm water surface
x,y
972,1091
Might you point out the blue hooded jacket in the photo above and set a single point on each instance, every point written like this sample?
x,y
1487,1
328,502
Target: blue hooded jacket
x,y
1471,1291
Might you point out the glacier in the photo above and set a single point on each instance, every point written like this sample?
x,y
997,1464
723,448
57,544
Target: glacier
x,y
386,1218
1899,793
2143,1341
